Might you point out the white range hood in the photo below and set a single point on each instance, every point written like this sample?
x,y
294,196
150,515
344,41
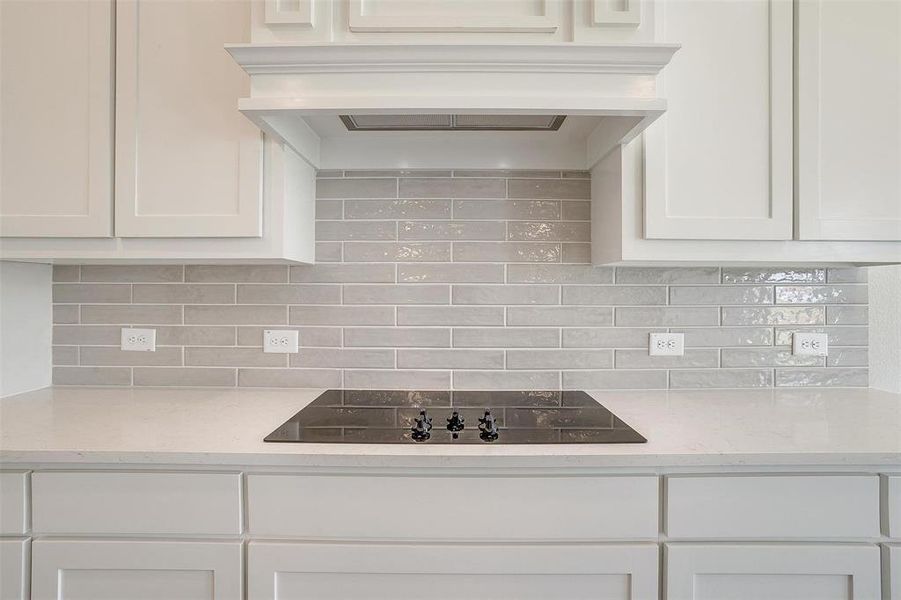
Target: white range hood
x,y
471,106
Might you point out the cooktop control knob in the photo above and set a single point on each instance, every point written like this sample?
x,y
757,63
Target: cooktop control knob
x,y
422,427
455,422
488,427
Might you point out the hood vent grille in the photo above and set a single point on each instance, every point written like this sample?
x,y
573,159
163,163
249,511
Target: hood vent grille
x,y
452,122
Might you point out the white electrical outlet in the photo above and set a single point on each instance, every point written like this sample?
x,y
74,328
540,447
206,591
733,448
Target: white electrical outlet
x,y
810,344
281,341
667,344
138,340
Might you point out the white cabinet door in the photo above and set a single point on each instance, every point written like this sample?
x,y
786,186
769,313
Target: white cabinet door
x,y
718,164
772,571
891,571
849,119
323,571
188,164
136,570
56,119
14,568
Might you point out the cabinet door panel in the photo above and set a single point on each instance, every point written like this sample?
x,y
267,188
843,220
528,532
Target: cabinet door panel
x,y
56,119
849,119
13,502
772,506
512,508
137,570
891,571
718,164
772,571
14,569
893,507
298,571
188,164
453,15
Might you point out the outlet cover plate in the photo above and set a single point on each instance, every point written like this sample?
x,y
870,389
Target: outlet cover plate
x,y
281,341
810,344
138,340
666,344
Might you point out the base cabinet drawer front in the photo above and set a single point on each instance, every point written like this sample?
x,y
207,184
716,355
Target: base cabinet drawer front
x,y
437,508
136,570
893,506
101,503
891,571
14,568
327,571
772,572
13,502
773,506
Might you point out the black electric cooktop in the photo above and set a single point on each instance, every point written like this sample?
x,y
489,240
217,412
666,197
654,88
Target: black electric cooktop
x,y
458,417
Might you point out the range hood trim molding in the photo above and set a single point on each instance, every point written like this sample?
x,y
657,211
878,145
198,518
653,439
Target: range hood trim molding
x,y
298,91
273,59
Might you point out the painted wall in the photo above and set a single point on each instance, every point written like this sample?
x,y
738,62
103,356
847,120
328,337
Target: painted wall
x,y
458,280
885,327
24,327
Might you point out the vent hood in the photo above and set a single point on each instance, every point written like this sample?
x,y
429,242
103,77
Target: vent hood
x,y
468,105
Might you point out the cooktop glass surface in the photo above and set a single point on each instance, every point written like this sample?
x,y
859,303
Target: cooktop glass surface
x,y
455,417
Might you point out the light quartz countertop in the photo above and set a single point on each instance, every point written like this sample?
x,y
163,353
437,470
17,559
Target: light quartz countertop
x,y
225,427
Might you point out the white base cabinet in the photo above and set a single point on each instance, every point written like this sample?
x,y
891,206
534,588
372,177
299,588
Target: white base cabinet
x,y
124,533
298,571
136,570
772,572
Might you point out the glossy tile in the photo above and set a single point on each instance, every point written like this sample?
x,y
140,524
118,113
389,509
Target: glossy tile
x,y
561,316
559,359
674,275
506,337
424,187
510,252
613,294
268,293
582,274
450,359
774,275
550,189
833,377
505,294
397,337
775,315
450,273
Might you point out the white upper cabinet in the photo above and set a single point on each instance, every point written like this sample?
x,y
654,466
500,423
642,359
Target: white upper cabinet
x,y
441,21
56,119
718,164
188,164
849,119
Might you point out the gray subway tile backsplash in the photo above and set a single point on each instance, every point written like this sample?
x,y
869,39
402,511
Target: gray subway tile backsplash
x,y
457,279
